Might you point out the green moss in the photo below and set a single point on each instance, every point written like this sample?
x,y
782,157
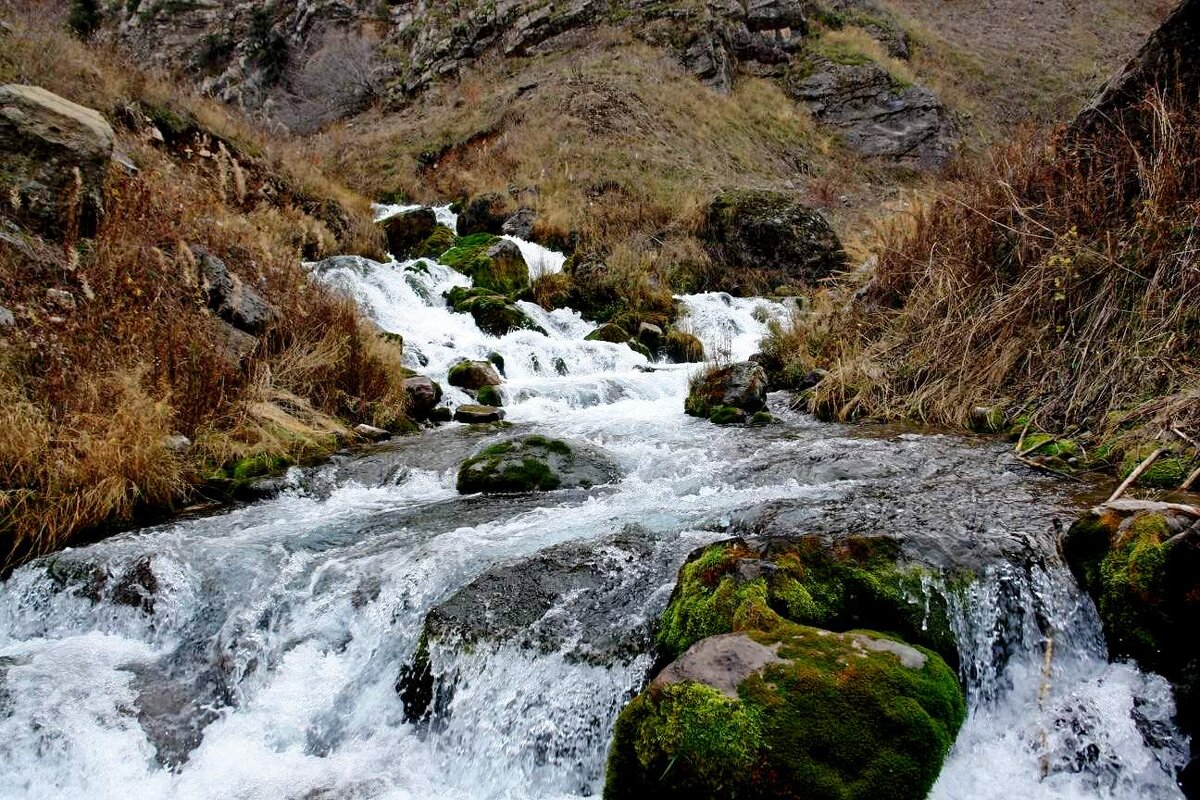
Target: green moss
x,y
489,396
608,332
497,361
1167,472
726,415
441,240
513,467
638,347
761,419
1132,587
551,445
834,721
1043,444
853,584
469,256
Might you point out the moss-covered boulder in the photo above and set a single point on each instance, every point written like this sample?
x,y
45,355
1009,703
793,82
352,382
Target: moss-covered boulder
x,y
408,231
742,386
795,712
727,415
492,263
496,316
438,242
478,414
1167,472
473,375
608,332
683,348
489,396
533,464
850,582
759,239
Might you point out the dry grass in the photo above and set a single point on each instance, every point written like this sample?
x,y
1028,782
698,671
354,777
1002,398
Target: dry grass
x,y
1061,282
89,395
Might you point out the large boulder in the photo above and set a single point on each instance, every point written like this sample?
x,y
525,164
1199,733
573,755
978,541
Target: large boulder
x,y
423,395
408,232
477,414
54,157
486,213
230,298
878,115
473,375
492,263
741,386
796,712
765,238
533,464
775,691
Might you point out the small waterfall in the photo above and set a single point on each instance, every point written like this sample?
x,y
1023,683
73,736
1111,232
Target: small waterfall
x,y
256,653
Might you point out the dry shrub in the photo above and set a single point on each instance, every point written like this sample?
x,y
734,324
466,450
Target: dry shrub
x,y
1062,280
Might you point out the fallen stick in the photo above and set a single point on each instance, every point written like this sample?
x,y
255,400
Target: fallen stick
x,y
1191,479
1175,430
1137,473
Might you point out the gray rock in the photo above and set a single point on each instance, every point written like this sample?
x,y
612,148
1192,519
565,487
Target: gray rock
x,y
741,386
520,224
371,433
7,320
60,299
477,415
721,661
47,143
177,443
472,375
423,396
230,298
408,230
877,116
651,336
535,463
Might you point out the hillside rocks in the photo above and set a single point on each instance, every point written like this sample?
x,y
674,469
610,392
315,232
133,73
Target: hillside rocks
x,y
534,464
1169,60
879,116
54,156
768,237
230,298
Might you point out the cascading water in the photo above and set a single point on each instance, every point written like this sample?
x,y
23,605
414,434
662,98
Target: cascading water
x,y
256,653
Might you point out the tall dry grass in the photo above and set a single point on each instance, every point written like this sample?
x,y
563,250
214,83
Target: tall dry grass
x,y
1061,282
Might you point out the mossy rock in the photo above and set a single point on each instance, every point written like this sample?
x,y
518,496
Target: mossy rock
x,y
497,361
683,348
491,262
489,396
851,583
473,375
1167,472
496,316
761,419
727,415
1044,444
441,240
408,231
608,332
814,715
742,386
533,464
640,349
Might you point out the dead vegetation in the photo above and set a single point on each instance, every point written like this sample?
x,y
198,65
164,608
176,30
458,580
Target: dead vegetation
x,y
114,353
1060,283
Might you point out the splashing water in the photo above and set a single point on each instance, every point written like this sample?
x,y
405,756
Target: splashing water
x,y
256,653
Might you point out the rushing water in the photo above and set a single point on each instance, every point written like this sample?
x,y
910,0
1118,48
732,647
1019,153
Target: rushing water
x,y
256,653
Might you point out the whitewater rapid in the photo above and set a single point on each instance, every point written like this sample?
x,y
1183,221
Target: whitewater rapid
x,y
256,653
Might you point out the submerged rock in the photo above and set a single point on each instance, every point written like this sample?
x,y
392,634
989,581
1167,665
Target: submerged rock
x,y
741,387
533,464
768,238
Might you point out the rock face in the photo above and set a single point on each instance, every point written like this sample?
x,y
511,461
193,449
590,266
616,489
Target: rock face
x,y
760,703
877,115
762,236
1170,59
54,156
408,232
230,298
1140,562
741,386
533,464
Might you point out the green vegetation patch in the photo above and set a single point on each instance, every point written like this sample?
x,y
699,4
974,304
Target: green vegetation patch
x,y
469,255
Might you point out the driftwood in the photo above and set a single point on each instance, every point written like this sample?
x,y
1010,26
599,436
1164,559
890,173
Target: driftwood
x,y
1191,480
1134,506
1137,473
